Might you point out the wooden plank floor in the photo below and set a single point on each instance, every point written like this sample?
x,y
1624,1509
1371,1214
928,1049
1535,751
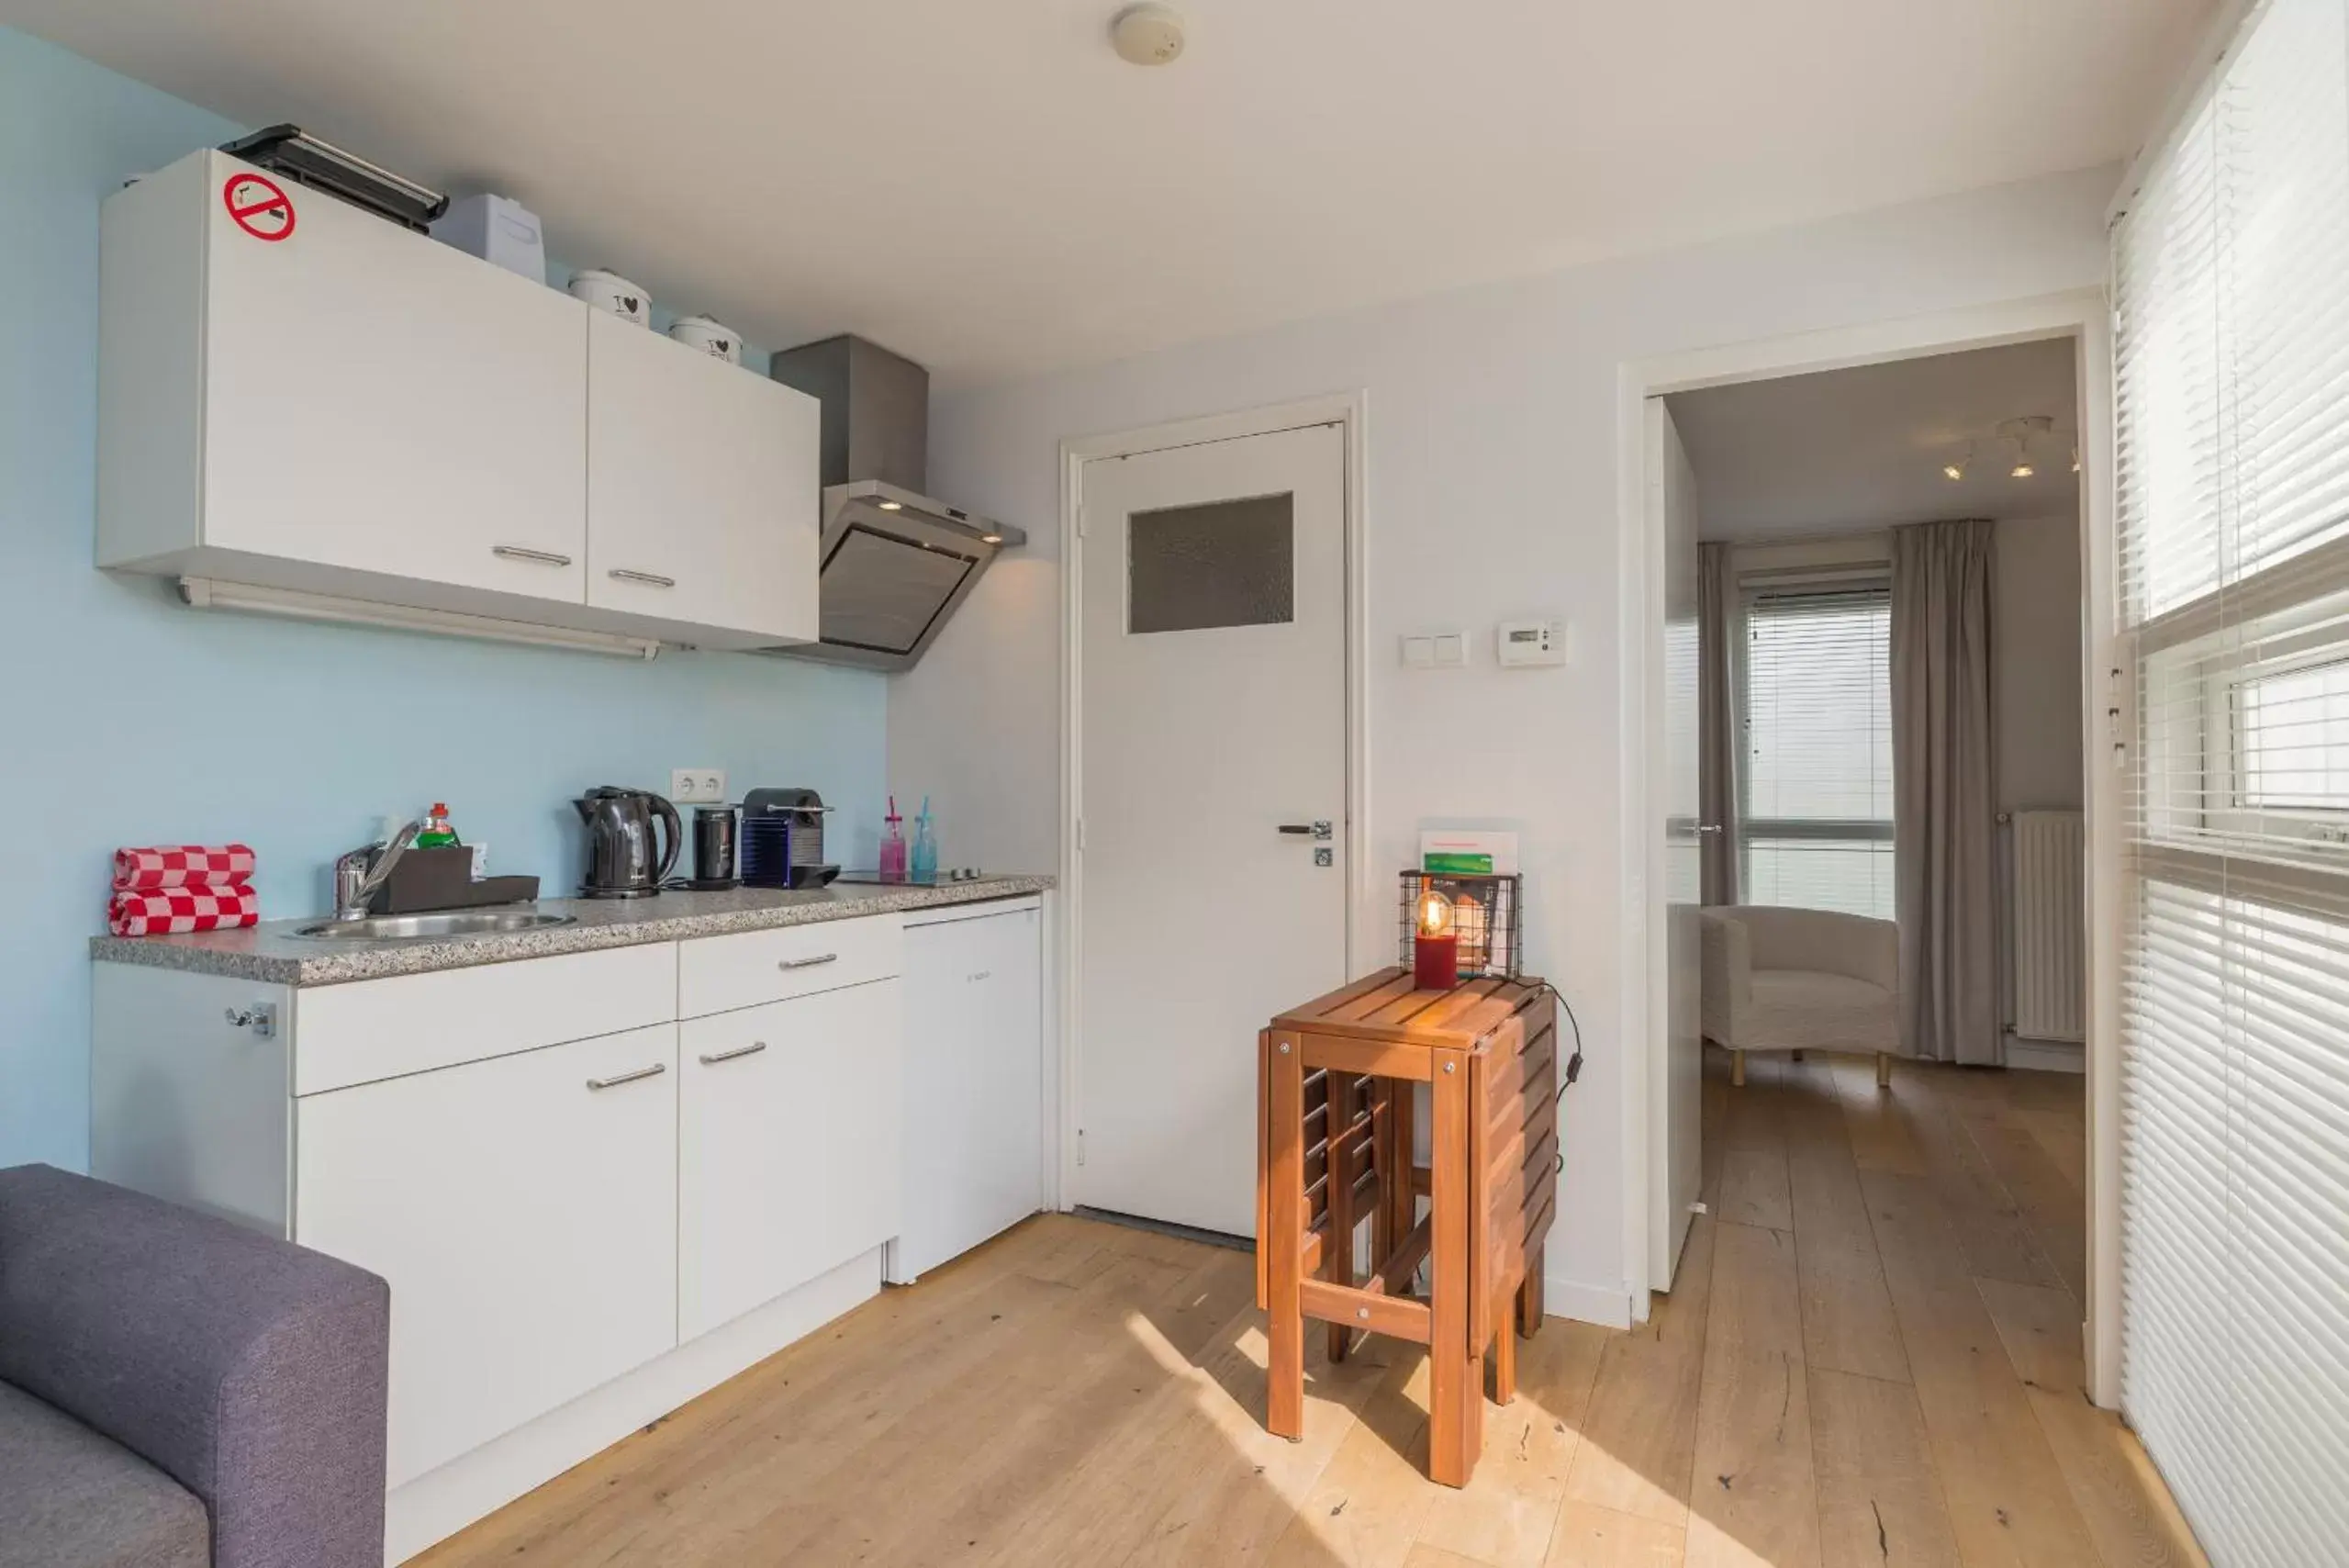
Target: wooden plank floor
x,y
1871,1357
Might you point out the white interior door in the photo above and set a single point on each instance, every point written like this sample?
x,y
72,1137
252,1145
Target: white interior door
x,y
1211,740
1678,1080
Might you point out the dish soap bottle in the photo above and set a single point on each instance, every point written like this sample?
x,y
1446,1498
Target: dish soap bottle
x,y
893,845
925,847
436,832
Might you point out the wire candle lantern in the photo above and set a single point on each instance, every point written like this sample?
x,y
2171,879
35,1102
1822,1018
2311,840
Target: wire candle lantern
x,y
1478,911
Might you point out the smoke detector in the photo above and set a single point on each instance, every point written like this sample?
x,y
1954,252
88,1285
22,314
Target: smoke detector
x,y
1147,34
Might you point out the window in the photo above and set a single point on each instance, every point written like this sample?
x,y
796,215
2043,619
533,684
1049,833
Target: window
x,y
2230,303
1816,819
1217,564
2291,739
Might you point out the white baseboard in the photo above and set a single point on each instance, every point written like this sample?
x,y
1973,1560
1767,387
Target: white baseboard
x,y
442,1502
2044,1056
1609,1307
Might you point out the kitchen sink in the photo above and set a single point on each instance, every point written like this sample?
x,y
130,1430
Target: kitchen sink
x,y
425,927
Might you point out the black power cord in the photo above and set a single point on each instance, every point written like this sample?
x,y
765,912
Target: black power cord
x,y
1574,1062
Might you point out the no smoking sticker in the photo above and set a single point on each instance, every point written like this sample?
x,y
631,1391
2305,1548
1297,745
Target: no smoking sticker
x,y
259,206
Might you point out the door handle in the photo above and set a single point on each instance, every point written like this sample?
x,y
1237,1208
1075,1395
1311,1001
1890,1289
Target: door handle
x,y
736,1054
650,579
1300,830
523,553
654,1070
1319,828
809,963
1709,827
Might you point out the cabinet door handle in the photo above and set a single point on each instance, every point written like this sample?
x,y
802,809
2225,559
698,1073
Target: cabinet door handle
x,y
654,1070
650,579
523,553
809,963
739,1051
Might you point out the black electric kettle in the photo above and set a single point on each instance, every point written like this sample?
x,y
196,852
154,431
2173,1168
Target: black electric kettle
x,y
621,860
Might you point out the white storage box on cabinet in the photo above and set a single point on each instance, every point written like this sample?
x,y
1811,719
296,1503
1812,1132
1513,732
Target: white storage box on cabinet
x,y
973,1080
348,407
703,491
788,1147
524,1210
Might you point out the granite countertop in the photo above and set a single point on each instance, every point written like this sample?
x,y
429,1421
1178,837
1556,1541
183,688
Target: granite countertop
x,y
272,955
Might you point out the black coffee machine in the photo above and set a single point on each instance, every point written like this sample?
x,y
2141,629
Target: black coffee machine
x,y
783,840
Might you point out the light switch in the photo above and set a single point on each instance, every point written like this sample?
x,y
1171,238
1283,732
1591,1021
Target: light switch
x,y
1452,648
1418,653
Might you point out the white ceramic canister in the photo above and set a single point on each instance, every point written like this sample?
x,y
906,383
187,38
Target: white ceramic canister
x,y
713,338
610,291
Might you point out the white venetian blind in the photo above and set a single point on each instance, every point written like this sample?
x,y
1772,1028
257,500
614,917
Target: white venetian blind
x,y
1815,825
2231,295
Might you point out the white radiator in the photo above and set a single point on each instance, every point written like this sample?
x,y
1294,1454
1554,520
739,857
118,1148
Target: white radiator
x,y
2047,951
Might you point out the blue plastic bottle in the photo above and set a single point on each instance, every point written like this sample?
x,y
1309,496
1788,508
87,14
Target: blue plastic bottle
x,y
924,868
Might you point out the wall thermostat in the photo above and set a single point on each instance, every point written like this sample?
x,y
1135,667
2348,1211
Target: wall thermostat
x,y
1532,642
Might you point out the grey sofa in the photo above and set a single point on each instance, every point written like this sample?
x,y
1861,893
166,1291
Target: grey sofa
x,y
178,1392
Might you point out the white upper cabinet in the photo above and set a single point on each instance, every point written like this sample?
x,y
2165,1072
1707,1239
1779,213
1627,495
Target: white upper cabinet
x,y
336,406
346,395
702,488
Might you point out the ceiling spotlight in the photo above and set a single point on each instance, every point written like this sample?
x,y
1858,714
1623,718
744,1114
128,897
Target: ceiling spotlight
x,y
1147,34
991,539
892,505
2018,434
1954,472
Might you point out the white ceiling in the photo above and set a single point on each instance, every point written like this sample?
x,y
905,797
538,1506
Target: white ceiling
x,y
987,188
1849,449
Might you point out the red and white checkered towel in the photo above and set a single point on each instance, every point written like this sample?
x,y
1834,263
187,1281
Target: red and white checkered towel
x,y
170,911
183,865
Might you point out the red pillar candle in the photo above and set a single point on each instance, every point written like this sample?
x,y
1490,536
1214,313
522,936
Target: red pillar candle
x,y
1434,945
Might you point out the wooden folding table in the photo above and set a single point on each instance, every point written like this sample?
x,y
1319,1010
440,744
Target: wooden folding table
x,y
1334,1150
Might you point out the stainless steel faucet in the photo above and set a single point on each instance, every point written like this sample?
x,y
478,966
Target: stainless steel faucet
x,y
361,874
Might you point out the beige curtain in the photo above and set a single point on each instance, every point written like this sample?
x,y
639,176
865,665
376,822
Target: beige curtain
x,y
1718,737
1944,811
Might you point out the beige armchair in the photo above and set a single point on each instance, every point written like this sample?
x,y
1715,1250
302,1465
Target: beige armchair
x,y
1796,979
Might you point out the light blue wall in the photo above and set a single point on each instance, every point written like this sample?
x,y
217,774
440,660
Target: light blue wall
x,y
125,719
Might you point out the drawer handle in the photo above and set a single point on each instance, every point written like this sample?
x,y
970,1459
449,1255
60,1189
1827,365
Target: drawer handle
x,y
523,553
650,579
809,963
736,1054
654,1070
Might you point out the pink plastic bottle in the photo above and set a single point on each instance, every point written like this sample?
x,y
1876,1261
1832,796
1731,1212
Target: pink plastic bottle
x,y
893,845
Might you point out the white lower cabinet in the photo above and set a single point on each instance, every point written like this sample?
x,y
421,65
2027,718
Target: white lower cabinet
x,y
788,1130
525,1217
973,1096
582,1234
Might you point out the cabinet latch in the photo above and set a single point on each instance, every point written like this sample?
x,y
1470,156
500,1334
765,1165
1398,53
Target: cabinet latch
x,y
260,1018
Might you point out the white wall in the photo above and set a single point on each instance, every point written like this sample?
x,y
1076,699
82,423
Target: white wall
x,y
2038,609
1492,494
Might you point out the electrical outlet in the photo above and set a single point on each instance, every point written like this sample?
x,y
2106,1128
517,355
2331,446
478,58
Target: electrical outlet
x,y
698,786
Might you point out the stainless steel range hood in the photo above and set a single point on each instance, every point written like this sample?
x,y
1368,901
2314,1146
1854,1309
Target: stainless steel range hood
x,y
895,564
